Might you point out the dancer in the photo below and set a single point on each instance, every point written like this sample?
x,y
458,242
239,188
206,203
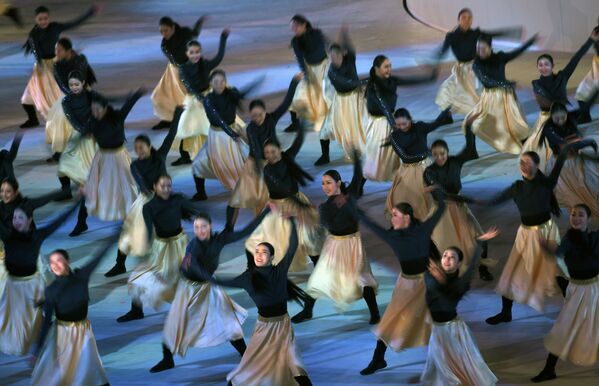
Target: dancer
x,y
20,318
500,121
408,140
7,157
195,75
381,163
549,88
529,276
574,336
202,314
343,272
154,282
453,356
250,191
170,91
406,322
6,9
308,45
589,85
58,128
42,91
458,226
66,351
344,119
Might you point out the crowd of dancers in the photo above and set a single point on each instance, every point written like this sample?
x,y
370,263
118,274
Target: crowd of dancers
x,y
433,234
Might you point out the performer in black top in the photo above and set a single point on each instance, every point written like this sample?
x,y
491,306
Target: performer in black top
x,y
7,157
588,86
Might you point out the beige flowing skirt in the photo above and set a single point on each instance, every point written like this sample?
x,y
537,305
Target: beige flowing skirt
x,y
589,84
529,274
276,228
454,359
271,358
308,101
533,143
76,160
155,282
168,94
58,127
134,235
250,192
501,122
110,189
575,334
408,186
344,121
193,127
20,316
201,315
380,163
406,322
221,158
69,357
342,271
42,90
460,90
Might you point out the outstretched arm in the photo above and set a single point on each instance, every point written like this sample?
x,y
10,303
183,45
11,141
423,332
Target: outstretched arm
x,y
444,118
381,232
130,102
46,231
291,249
48,311
214,116
212,63
172,132
14,147
38,202
355,186
469,152
197,27
80,20
297,143
91,265
284,106
571,66
520,50
561,159
231,237
416,79
432,221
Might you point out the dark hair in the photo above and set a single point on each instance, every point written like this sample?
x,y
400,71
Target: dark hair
x,y
193,43
533,155
165,20
257,103
272,141
335,47
334,174
301,19
27,209
216,72
65,43
163,175
464,10
377,62
41,9
271,249
97,98
144,138
546,56
61,252
440,143
402,113
76,74
12,182
204,216
557,107
457,251
584,207
486,38
407,209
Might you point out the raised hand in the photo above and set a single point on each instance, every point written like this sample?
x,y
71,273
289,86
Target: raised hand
x,y
437,272
491,233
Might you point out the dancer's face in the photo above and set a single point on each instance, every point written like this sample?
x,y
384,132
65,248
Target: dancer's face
x,y
42,20
75,85
60,52
163,188
404,124
465,21
336,58
399,220
330,187
59,265
272,154
579,219
298,29
218,83
528,168
450,261
384,70
8,193
166,31
98,110
141,149
545,67
262,257
483,50
20,221
202,229
559,117
194,53
439,155
258,115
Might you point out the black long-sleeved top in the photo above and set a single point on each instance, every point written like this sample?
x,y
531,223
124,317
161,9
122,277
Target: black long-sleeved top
x,y
7,157
269,288
109,132
257,135
412,244
7,209
580,250
41,42
463,43
175,47
448,176
201,256
491,71
195,75
77,109
165,215
442,298
558,135
345,77
309,48
64,67
278,178
221,109
552,88
23,249
411,145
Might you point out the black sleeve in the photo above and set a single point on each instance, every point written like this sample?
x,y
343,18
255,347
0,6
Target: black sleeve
x,y
147,215
14,147
468,153
432,221
4,232
284,106
381,105
190,208
508,56
214,62
285,263
91,265
48,310
561,159
38,202
381,232
355,186
197,27
466,278
347,44
170,137
414,79
129,103
76,22
443,118
46,231
231,237
299,56
214,116
141,183
297,144
445,46
571,66
503,196
242,281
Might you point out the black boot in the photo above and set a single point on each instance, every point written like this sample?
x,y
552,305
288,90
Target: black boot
x,y
324,158
378,359
314,260
167,361
81,225
136,312
584,115
294,125
548,372
54,159
505,315
119,268
184,159
370,298
562,283
32,120
303,380
161,125
65,186
306,313
200,189
15,16
483,270
231,218
239,345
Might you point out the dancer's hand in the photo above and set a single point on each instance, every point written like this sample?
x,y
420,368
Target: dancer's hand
x,y
430,188
81,191
299,76
491,233
437,272
471,118
273,207
226,32
98,7
32,360
595,35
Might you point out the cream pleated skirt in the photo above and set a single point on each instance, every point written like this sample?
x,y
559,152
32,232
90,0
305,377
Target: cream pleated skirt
x,y
20,316
271,358
134,235
58,128
193,127
406,322
575,334
533,143
460,90
155,281
276,228
380,163
69,357
529,273
454,359
342,271
168,94
42,90
250,192
308,101
500,121
344,122
201,315
408,186
587,87
76,160
110,189
220,158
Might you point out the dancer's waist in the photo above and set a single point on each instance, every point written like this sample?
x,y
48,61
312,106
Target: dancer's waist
x,y
535,221
272,311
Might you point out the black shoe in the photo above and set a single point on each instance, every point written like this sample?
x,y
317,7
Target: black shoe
x,y
30,123
181,161
131,315
161,125
164,364
118,269
373,367
323,160
484,273
302,316
499,318
79,229
199,197
545,375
